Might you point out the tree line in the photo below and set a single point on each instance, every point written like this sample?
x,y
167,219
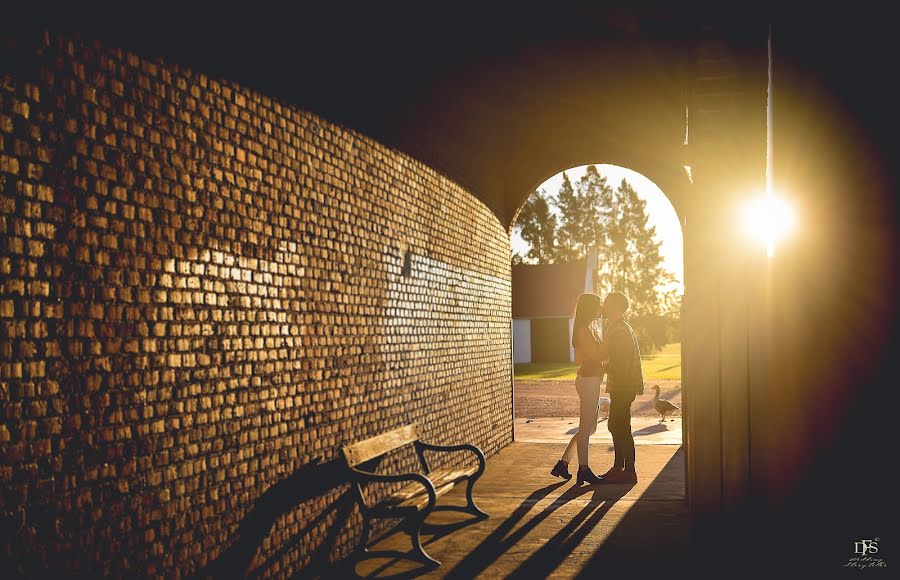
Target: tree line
x,y
589,215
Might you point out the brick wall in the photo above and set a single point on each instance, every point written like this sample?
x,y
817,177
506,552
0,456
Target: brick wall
x,y
202,290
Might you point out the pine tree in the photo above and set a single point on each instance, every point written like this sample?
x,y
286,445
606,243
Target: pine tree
x,y
569,234
596,204
632,264
584,214
643,272
537,226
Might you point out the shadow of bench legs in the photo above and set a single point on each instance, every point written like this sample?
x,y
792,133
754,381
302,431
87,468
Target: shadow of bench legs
x,y
362,548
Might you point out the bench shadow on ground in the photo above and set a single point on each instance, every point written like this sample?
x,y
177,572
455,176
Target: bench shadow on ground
x,y
312,480
431,532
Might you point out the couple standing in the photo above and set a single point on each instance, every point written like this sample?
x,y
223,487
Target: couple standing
x,y
619,356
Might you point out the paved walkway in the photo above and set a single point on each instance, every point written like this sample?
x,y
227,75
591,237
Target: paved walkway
x,y
646,431
543,527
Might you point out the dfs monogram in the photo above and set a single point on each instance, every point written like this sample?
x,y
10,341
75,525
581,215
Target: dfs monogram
x,y
866,547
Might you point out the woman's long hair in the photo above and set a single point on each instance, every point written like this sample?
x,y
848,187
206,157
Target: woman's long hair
x,y
585,310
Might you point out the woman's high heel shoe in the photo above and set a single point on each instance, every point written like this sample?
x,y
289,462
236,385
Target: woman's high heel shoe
x,y
561,470
585,474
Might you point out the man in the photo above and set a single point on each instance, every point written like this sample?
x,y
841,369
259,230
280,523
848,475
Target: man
x,y
624,382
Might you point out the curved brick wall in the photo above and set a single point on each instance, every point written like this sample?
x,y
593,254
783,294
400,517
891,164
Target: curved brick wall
x,y
204,290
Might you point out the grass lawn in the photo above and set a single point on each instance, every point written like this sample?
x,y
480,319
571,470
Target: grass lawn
x,y
665,364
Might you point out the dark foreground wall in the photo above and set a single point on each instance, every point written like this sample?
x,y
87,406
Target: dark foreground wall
x,y
204,291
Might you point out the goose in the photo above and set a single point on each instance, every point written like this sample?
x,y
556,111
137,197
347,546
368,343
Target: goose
x,y
662,406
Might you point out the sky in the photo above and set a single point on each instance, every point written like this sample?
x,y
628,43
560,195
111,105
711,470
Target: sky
x,y
660,213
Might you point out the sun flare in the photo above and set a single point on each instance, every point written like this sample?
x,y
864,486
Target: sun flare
x,y
768,219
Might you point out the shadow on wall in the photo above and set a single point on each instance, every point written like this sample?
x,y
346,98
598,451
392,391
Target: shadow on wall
x,y
312,480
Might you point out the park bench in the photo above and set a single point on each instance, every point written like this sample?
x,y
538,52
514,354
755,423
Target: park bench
x,y
413,502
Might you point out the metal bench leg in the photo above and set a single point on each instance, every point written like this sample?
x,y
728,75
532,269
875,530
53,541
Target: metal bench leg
x,y
473,507
415,527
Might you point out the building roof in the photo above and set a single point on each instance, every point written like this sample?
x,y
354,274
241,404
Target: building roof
x,y
545,290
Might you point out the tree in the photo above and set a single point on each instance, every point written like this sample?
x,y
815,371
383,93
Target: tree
x,y
569,234
597,207
537,226
631,263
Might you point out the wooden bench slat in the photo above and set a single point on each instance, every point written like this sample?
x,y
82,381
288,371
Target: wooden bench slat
x,y
414,495
379,445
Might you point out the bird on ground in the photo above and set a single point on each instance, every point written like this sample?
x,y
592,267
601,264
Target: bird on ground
x,y
662,406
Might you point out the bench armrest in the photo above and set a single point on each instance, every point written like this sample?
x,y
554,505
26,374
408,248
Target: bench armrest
x,y
368,476
422,446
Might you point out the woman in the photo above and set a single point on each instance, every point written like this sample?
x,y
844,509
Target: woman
x,y
590,354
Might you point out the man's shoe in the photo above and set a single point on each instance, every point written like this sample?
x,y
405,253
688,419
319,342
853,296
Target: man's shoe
x,y
620,476
585,474
561,470
612,473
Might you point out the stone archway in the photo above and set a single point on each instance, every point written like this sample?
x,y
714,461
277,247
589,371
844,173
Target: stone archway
x,y
533,401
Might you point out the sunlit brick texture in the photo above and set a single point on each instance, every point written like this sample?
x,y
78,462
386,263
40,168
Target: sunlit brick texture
x,y
202,290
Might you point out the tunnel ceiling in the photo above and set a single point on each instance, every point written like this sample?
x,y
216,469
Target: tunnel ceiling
x,y
496,99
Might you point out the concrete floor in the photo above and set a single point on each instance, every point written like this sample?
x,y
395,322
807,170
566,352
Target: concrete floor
x,y
541,526
646,431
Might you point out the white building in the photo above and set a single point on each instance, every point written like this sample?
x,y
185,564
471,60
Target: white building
x,y
543,308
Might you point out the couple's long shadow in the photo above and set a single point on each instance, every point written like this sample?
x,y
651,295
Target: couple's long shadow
x,y
654,534
543,561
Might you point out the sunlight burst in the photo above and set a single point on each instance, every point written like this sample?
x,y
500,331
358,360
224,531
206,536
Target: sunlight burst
x,y
768,219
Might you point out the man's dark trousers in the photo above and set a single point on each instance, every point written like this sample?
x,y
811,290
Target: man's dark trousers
x,y
620,427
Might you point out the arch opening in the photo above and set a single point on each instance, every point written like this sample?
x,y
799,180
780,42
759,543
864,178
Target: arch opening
x,y
595,228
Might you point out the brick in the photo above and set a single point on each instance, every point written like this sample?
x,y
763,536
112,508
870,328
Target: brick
x,y
213,295
9,164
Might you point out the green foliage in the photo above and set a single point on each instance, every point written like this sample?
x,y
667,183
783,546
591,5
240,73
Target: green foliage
x,y
538,228
652,330
570,236
631,263
597,211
